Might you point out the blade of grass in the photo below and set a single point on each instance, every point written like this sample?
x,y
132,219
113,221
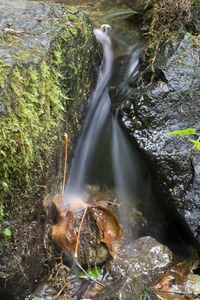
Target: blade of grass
x,y
65,167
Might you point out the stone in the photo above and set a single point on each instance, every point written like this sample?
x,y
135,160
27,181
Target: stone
x,y
125,289
170,103
144,259
49,65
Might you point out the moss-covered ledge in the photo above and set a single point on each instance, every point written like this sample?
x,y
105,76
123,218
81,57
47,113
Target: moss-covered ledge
x,y
48,68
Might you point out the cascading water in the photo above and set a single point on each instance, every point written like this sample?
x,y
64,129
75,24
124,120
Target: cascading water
x,y
102,139
105,154
101,128
94,124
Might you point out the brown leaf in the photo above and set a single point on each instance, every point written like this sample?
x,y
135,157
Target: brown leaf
x,y
62,232
107,223
58,201
76,206
109,228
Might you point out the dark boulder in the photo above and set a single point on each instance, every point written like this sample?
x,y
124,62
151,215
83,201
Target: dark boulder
x,y
140,264
170,103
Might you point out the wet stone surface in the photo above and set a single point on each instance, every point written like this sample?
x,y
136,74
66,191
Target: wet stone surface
x,y
43,291
170,103
145,259
125,289
48,55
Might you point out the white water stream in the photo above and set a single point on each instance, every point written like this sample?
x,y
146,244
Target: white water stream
x,y
93,126
105,155
101,128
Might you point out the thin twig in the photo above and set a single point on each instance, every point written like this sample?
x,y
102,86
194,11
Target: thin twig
x,y
65,167
188,156
88,274
73,12
177,293
123,274
61,290
79,231
20,266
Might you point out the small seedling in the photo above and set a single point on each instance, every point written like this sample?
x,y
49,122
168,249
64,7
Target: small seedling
x,y
187,132
7,232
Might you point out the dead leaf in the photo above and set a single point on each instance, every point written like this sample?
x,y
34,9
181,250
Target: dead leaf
x,y
58,201
107,223
62,232
109,228
77,205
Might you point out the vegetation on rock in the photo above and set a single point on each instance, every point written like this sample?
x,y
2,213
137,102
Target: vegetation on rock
x,y
166,17
40,96
186,133
45,81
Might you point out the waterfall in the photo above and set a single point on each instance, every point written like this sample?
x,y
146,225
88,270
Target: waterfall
x,y
93,126
101,127
105,154
102,134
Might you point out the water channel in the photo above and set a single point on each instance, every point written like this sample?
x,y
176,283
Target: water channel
x,y
105,155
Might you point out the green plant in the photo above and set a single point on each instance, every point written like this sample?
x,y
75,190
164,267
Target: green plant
x,y
165,16
7,232
1,211
94,273
187,132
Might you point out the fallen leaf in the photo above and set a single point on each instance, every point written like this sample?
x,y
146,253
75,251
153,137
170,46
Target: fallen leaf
x,y
109,228
58,201
62,232
107,223
77,205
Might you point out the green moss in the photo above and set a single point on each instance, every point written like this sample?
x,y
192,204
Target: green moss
x,y
166,20
33,101
43,93
44,96
192,37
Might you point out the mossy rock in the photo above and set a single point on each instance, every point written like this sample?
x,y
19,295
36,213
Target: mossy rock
x,y
48,68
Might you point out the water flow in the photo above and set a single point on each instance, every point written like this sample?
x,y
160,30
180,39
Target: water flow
x,y
106,154
102,141
124,164
94,123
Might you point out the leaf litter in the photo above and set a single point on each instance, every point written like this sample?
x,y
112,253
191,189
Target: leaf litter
x,y
180,282
65,235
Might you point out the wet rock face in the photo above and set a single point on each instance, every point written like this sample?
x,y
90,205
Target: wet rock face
x,y
43,291
48,66
125,289
145,259
170,103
